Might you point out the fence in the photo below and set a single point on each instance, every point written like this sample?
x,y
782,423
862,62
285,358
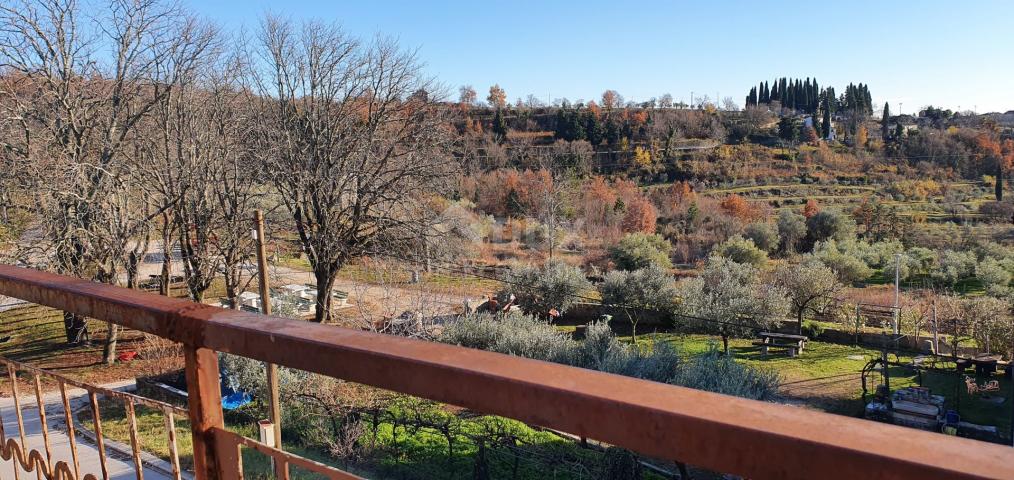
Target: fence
x,y
717,432
31,460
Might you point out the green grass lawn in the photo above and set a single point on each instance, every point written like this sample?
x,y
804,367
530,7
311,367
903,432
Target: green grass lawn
x,y
151,429
826,376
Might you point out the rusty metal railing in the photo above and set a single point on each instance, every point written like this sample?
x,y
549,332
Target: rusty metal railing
x,y
44,464
33,461
717,432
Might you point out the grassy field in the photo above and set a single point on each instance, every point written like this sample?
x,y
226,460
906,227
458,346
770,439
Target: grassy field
x,y
151,429
827,377
36,336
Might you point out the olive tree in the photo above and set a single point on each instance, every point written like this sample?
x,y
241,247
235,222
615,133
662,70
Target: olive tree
x,y
808,284
556,285
730,299
640,250
650,288
764,235
791,229
741,250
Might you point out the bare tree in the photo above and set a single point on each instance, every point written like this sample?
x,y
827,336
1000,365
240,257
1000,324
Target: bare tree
x,y
353,141
83,89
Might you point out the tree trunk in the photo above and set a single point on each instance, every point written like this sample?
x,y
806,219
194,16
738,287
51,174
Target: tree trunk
x,y
725,343
163,284
799,318
109,348
112,329
325,285
76,328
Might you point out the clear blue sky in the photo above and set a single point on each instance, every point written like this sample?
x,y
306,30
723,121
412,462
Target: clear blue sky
x,y
944,53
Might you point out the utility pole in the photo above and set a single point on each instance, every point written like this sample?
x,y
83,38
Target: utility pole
x,y
936,341
274,408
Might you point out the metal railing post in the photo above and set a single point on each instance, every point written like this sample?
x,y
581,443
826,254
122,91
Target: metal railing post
x,y
204,400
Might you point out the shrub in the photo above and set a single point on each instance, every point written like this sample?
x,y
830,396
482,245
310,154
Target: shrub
x,y
529,337
812,329
954,266
830,225
641,250
741,250
791,229
520,335
538,290
537,236
995,275
764,235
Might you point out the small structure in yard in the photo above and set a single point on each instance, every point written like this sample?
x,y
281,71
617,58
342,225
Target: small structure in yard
x,y
292,300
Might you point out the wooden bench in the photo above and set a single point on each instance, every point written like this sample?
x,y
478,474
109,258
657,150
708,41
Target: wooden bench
x,y
793,348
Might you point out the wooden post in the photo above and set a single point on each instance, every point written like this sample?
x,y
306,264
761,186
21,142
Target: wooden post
x,y
205,405
887,375
274,406
936,340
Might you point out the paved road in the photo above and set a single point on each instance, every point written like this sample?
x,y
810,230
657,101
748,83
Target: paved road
x,y
120,467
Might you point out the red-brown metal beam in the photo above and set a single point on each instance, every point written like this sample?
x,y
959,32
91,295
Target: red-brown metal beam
x,y
722,433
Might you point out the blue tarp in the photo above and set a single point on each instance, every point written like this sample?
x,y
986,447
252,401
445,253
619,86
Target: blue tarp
x,y
235,400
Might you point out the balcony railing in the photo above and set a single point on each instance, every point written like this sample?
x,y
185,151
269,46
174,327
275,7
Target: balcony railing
x,y
727,434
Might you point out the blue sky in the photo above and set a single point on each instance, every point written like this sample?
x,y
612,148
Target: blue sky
x,y
915,53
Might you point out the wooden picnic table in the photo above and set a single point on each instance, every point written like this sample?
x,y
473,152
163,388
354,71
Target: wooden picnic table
x,y
985,364
793,343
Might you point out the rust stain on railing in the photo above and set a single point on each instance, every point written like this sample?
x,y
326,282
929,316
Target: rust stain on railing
x,y
717,432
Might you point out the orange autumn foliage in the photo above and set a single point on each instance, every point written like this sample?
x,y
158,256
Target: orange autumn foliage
x,y
738,207
811,208
640,217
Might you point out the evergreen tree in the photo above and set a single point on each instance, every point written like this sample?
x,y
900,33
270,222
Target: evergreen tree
x,y
885,123
499,126
593,128
788,129
826,124
612,131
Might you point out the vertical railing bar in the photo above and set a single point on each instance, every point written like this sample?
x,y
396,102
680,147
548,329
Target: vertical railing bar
x,y
3,439
283,467
99,443
69,417
174,455
17,413
17,405
42,421
135,446
239,461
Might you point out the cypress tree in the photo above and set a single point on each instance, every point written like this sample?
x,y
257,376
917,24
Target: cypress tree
x,y
499,126
885,127
826,124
